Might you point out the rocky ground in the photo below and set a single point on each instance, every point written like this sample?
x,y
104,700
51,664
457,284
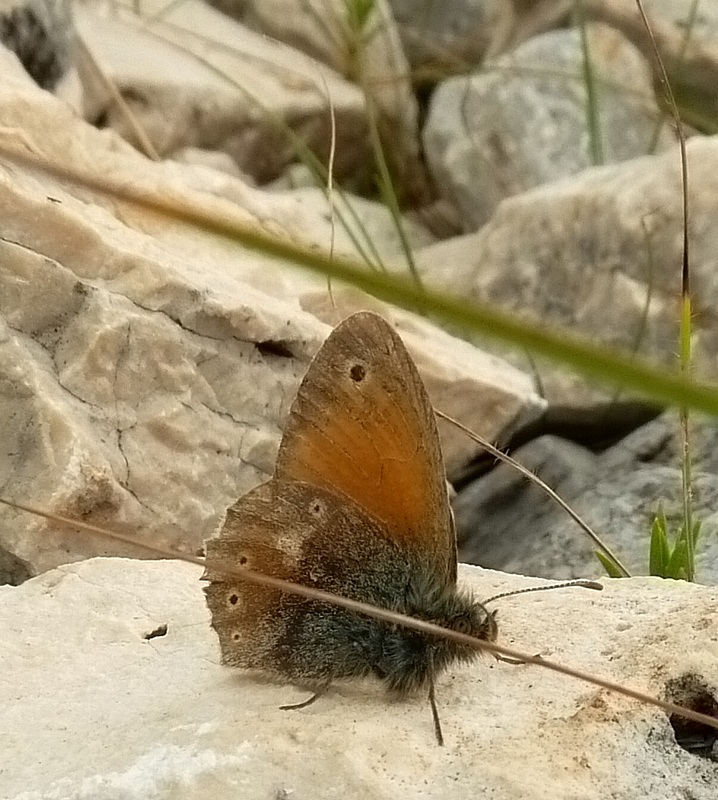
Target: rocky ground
x,y
147,367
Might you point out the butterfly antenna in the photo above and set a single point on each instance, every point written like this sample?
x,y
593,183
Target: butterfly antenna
x,y
435,715
584,584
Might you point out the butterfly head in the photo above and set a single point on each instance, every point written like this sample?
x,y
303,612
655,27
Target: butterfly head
x,y
461,613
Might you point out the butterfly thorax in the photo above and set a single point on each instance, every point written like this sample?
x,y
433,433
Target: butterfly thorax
x,y
407,660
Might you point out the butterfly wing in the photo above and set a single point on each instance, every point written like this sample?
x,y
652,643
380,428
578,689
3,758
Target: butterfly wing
x,y
362,424
310,536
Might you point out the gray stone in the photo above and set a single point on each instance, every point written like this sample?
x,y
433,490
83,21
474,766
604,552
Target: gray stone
x,y
523,120
686,36
598,254
500,517
366,51
452,34
506,523
520,20
13,570
678,14
245,96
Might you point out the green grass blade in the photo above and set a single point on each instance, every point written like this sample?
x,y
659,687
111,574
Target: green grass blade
x,y
697,528
611,569
678,562
659,554
593,111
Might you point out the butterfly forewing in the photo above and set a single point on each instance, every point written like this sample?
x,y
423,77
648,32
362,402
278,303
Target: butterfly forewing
x,y
362,425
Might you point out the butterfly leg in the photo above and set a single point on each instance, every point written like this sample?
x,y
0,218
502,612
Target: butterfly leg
x,y
296,706
435,714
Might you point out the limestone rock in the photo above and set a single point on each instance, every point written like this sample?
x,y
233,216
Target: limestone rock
x,y
362,43
522,120
147,367
520,20
681,14
241,94
357,220
599,254
92,707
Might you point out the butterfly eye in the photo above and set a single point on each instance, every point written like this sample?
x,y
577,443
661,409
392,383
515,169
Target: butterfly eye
x,y
462,625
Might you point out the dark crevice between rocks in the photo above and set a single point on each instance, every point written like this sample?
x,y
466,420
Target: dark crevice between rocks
x,y
691,691
40,50
274,349
596,428
13,570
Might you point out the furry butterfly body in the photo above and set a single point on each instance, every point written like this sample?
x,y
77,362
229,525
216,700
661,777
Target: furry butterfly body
x,y
357,506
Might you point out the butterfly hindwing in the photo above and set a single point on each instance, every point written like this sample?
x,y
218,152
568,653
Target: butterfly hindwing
x,y
309,536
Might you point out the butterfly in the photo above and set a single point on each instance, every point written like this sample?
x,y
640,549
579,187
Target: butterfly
x,y
357,506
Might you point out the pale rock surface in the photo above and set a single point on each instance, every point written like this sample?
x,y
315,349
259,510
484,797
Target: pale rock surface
x,y
600,254
367,222
366,50
90,708
215,160
147,367
698,20
194,77
522,120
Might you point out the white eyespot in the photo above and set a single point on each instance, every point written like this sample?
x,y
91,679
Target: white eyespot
x,y
317,508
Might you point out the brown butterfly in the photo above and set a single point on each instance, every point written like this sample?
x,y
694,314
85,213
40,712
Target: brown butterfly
x,y
358,506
